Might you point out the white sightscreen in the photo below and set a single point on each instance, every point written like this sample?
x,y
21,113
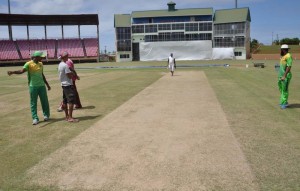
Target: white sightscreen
x,y
182,50
222,53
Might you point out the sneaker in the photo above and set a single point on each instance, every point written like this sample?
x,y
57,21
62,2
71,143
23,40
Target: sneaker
x,y
59,109
35,122
283,106
46,118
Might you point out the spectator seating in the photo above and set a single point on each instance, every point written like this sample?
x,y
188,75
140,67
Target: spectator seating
x,y
21,48
91,46
73,46
50,47
8,50
24,47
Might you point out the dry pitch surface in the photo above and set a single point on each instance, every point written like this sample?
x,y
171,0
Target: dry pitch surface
x,y
173,135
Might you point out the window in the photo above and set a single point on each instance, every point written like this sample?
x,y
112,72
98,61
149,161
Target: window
x,y
237,53
205,26
150,28
165,36
123,35
191,27
179,26
138,29
124,45
124,56
163,27
230,28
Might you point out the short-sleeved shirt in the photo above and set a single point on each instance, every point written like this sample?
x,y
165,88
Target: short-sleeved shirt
x,y
285,61
63,70
34,73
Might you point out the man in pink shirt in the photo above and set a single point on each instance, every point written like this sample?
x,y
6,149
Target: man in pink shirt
x,y
75,77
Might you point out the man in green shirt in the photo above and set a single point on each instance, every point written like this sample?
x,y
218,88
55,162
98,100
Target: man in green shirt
x,y
36,82
284,75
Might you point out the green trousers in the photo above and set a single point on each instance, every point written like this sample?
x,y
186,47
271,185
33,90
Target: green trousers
x,y
35,92
283,86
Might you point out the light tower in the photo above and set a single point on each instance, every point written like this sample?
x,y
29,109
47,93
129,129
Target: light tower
x,y
9,26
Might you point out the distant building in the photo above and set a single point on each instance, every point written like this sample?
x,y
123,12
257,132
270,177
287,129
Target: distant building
x,y
191,34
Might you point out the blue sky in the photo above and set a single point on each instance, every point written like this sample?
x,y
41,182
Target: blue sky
x,y
271,19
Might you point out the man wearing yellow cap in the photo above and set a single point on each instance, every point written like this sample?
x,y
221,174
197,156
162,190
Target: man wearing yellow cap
x,y
284,75
36,82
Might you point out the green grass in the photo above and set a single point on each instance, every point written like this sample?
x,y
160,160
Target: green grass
x,y
269,136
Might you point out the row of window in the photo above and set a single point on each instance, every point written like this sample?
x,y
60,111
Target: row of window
x,y
125,45
124,33
232,28
229,42
128,56
177,36
153,28
172,19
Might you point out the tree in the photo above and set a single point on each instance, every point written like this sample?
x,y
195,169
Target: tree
x,y
254,44
290,41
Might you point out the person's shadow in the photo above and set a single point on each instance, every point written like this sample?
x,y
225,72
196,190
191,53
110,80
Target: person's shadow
x,y
55,120
84,118
294,105
87,107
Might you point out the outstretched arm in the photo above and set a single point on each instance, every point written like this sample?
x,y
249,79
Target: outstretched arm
x,y
16,72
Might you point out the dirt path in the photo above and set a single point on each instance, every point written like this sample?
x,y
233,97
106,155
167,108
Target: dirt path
x,y
171,136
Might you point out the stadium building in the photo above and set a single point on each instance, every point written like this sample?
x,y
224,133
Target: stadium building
x,y
191,34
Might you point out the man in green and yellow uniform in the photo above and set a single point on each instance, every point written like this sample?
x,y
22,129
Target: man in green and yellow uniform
x,y
284,75
36,82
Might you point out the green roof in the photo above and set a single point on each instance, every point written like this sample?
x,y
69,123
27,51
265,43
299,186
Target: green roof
x,y
177,12
232,16
123,20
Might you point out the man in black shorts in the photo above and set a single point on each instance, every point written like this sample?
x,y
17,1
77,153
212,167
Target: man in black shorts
x,y
65,77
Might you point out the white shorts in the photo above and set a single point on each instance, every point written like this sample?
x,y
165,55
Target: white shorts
x,y
171,67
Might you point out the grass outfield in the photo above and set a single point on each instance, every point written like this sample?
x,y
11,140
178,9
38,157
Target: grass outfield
x,y
269,136
275,49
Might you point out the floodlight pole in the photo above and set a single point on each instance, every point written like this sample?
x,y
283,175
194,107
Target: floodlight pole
x,y
8,1
9,26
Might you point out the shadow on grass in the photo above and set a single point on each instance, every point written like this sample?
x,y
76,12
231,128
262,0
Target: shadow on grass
x,y
55,120
294,105
87,107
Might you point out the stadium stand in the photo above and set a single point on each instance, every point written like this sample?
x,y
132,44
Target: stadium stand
x,y
51,48
8,50
91,46
73,46
24,48
14,51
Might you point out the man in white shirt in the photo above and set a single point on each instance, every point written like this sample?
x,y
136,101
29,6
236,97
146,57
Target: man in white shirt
x,y
69,98
171,63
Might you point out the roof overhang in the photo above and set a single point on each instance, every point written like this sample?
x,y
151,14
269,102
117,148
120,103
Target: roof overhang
x,y
38,20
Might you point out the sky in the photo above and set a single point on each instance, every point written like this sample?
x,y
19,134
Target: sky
x,y
270,19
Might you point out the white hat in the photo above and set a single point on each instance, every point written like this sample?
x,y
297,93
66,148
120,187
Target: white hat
x,y
284,46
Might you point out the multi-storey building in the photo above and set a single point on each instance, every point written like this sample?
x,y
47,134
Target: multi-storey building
x,y
191,34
